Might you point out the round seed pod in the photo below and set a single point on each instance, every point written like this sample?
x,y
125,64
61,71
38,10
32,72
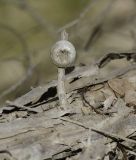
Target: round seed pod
x,y
63,54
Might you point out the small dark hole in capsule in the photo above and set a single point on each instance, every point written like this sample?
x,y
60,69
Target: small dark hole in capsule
x,y
63,51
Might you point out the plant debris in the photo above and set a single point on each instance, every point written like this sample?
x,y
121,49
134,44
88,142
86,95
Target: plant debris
x,y
100,122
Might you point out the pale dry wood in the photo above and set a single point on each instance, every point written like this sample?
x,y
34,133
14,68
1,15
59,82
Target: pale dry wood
x,y
10,103
50,137
61,89
57,134
84,77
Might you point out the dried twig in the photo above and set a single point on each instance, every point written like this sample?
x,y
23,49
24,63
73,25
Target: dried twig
x,y
82,15
106,134
68,25
112,56
21,106
96,78
120,146
97,22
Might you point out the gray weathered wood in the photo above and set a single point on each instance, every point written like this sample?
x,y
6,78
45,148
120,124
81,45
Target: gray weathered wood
x,y
79,132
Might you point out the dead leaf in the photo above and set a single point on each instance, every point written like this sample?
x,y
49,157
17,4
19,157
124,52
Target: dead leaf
x,y
130,98
117,85
120,86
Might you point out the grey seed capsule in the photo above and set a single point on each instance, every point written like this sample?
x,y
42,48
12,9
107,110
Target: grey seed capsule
x,y
63,54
